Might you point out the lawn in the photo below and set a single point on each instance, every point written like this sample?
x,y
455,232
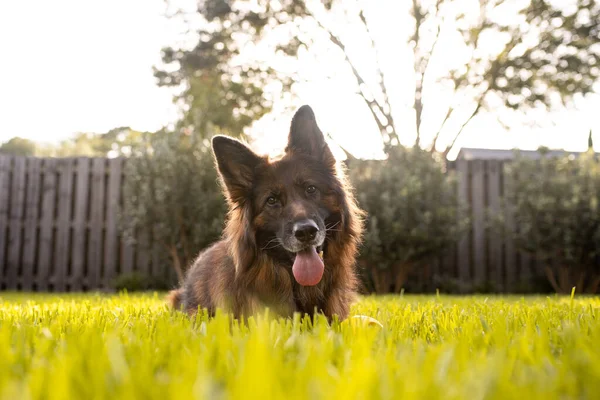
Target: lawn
x,y
132,346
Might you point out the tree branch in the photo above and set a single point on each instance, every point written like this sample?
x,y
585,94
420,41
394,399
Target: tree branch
x,y
462,127
418,15
374,106
379,69
488,77
426,58
438,133
552,279
349,155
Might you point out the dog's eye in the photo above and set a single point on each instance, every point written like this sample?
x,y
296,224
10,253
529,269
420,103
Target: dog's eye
x,y
272,200
311,189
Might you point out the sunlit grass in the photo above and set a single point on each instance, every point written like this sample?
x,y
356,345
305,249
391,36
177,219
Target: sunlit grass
x,y
132,346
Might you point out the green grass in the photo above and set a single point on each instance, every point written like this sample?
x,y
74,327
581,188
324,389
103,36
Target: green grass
x,y
132,346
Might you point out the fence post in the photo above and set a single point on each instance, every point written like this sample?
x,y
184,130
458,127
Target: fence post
x,y
5,162
96,223
17,210
463,256
478,202
80,230
509,244
65,198
494,182
32,206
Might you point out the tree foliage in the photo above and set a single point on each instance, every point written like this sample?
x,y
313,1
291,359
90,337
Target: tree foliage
x,y
18,147
218,91
114,143
172,195
556,206
527,54
413,213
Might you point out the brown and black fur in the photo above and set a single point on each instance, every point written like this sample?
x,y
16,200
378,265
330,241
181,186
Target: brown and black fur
x,y
248,269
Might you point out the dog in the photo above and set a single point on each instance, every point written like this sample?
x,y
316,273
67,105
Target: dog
x,y
291,236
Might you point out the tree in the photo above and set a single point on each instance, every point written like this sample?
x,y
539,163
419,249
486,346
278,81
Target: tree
x,y
523,55
172,191
116,142
19,147
413,213
217,92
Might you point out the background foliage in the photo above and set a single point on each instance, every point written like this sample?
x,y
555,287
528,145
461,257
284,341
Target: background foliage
x,y
172,193
555,202
413,214
532,54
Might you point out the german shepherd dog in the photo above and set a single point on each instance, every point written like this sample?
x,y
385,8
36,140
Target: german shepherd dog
x,y
291,236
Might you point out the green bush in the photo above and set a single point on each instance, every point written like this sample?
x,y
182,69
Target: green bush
x,y
137,282
413,213
555,203
172,195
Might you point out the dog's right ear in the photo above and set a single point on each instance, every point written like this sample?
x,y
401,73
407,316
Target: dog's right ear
x,y
236,164
306,137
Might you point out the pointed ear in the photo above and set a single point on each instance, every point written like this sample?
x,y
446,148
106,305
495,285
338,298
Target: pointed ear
x,y
306,137
236,164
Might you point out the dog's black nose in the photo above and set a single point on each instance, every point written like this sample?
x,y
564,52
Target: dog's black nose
x,y
305,230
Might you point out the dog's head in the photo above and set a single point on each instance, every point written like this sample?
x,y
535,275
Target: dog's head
x,y
292,206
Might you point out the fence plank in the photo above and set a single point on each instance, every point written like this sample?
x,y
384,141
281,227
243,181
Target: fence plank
x,y
463,256
32,207
510,259
478,200
111,244
127,247
17,209
96,223
5,166
65,196
495,208
80,223
47,223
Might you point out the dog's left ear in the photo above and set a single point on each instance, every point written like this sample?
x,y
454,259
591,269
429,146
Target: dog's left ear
x,y
306,137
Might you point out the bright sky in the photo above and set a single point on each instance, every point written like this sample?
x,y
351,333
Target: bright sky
x,y
81,65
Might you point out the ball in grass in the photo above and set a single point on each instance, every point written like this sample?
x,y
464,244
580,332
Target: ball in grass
x,y
364,321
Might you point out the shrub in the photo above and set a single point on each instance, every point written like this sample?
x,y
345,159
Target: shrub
x,y
413,213
172,194
136,281
555,203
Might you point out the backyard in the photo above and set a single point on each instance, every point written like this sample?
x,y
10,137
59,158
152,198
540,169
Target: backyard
x,y
57,346
438,159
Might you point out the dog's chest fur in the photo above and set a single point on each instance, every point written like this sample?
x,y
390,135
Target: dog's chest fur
x,y
274,286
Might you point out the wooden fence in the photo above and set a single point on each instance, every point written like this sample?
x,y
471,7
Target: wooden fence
x,y
59,229
484,259
59,225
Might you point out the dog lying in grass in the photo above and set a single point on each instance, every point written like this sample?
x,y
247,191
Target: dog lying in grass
x,y
291,236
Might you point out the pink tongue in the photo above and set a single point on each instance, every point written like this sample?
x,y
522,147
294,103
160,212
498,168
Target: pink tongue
x,y
308,267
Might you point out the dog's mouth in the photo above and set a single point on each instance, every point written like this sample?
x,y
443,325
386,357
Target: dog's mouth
x,y
308,266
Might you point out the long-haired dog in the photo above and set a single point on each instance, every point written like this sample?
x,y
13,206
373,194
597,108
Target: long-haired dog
x,y
291,236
